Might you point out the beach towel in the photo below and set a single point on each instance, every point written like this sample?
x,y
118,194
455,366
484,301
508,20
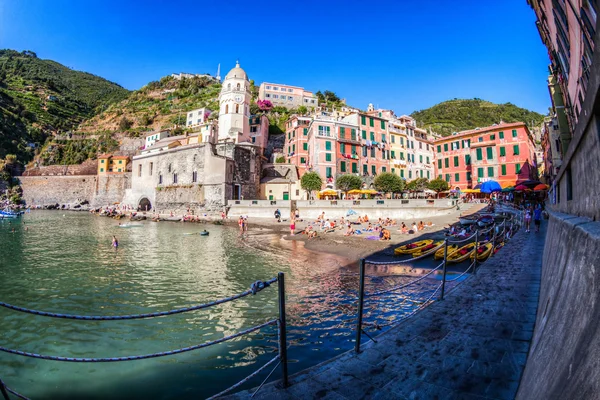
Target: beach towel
x,y
372,237
358,232
350,212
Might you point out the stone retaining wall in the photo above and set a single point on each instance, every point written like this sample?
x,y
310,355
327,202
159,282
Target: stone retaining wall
x,y
563,359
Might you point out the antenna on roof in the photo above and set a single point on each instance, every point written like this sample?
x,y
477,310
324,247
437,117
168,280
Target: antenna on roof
x,y
219,73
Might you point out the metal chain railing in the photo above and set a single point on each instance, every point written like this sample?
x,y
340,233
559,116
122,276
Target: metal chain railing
x,y
255,288
427,253
5,390
439,288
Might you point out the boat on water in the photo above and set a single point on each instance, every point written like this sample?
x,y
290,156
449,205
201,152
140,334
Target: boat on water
x,y
7,213
427,250
483,252
412,247
462,253
439,254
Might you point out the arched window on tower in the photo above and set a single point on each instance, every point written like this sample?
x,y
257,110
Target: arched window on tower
x,y
238,86
226,108
237,108
229,86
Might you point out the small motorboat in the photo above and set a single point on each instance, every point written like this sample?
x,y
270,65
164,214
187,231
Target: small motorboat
x,y
485,220
483,252
412,247
7,213
204,233
439,255
427,250
498,247
461,254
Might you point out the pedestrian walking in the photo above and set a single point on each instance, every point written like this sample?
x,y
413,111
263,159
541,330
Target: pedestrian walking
x,y
527,220
537,218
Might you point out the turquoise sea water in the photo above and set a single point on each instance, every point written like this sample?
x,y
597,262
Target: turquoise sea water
x,y
65,263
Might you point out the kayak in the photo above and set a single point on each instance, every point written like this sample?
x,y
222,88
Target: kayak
x,y
483,252
461,254
498,247
204,233
412,247
439,255
427,250
467,220
485,220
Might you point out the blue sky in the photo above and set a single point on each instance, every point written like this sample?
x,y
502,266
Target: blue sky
x,y
404,55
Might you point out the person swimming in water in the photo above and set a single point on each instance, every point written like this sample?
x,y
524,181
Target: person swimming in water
x,y
115,242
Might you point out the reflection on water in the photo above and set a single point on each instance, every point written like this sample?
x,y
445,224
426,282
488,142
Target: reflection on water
x,y
65,263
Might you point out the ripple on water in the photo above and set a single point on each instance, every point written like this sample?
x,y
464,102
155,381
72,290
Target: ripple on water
x,y
66,264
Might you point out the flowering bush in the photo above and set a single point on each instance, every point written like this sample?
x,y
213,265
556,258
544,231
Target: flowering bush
x,y
264,105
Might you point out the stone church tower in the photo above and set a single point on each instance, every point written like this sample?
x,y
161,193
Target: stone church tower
x,y
234,107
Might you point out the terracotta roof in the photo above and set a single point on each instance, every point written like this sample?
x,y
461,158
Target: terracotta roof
x,y
105,156
120,156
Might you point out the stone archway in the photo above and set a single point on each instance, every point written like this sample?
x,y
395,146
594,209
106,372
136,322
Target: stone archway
x,y
144,204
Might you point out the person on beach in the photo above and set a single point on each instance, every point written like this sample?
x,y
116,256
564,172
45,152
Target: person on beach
x,y
241,223
421,226
115,242
537,218
246,223
349,231
292,226
297,214
527,220
403,229
414,228
385,234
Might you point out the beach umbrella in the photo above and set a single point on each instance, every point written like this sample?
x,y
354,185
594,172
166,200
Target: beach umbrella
x,y
508,189
521,188
530,183
478,186
490,186
355,191
369,191
540,187
471,191
328,192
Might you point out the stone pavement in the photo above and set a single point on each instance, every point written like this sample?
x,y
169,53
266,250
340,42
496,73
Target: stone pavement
x,y
472,345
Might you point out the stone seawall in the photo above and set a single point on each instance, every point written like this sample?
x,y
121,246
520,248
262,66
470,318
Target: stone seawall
x,y
96,190
563,361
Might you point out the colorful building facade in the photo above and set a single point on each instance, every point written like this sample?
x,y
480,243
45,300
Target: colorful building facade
x,y
493,153
109,164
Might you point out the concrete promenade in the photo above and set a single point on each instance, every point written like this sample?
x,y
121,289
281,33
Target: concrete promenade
x,y
472,345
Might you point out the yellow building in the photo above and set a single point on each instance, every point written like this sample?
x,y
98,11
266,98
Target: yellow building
x,y
398,141
107,163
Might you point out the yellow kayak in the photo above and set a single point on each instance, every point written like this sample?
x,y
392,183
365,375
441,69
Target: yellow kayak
x,y
498,247
439,255
483,252
427,249
412,247
461,254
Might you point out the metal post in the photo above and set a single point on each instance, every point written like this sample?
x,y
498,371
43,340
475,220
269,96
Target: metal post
x,y
3,390
282,329
445,263
361,298
476,247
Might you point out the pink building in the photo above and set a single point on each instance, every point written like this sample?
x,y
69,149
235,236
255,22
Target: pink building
x,y
286,95
296,142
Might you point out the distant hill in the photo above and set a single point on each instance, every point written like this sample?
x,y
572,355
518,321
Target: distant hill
x,y
40,98
458,115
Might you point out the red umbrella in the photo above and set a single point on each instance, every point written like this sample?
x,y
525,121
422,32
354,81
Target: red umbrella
x,y
521,188
540,187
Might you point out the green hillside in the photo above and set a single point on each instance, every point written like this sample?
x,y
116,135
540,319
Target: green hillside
x,y
39,98
458,115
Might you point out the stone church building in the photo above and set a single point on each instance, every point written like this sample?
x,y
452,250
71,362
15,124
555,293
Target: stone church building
x,y
202,171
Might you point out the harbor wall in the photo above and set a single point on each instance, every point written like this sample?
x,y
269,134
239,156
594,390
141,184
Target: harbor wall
x,y
74,189
563,361
335,209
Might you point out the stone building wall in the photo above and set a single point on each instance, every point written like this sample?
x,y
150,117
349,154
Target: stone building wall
x,y
89,167
110,189
45,190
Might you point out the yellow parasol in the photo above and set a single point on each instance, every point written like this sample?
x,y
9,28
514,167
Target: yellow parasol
x,y
369,191
471,191
355,191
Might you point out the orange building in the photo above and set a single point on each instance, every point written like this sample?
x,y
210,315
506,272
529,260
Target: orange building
x,y
296,142
107,163
493,153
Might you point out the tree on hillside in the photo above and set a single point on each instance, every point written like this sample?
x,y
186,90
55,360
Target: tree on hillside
x,y
438,185
320,97
417,185
331,96
348,182
310,182
388,183
125,124
302,110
